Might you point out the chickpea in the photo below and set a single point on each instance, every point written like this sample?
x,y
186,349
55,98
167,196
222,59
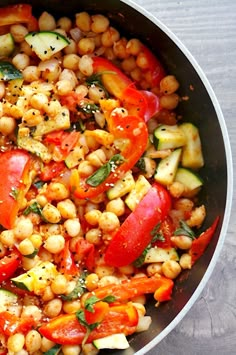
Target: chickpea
x,y
134,46
116,206
142,61
136,74
15,342
32,311
185,261
31,73
81,90
108,280
33,341
127,270
94,236
150,167
57,191
97,158
64,87
72,226
119,48
29,263
46,344
48,295
91,281
65,23
7,125
46,22
197,217
108,222
54,244
99,23
71,48
182,242
2,93
83,21
169,102
67,209
86,65
96,94
25,48
23,229
32,117
128,64
85,168
171,269
154,268
51,213
18,32
71,61
71,306
86,46
176,189
53,308
21,61
103,270
39,101
109,37
71,349
26,247
169,85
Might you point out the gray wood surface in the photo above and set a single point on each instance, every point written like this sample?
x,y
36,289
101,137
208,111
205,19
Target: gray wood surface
x,y
208,30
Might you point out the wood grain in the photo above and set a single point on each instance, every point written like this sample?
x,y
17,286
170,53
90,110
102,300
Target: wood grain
x,y
208,29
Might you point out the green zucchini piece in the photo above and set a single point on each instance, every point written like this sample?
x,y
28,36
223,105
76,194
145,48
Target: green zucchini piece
x,y
114,341
46,43
191,181
122,186
7,45
192,156
60,121
140,189
167,168
37,278
168,137
9,72
7,299
160,255
35,147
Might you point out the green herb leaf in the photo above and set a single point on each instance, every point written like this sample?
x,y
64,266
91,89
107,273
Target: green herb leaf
x,y
32,255
79,289
93,299
38,184
140,260
156,234
54,350
185,230
104,171
34,208
109,299
81,318
96,79
141,165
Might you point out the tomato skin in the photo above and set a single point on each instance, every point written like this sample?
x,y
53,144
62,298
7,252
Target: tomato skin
x,y
153,104
67,330
200,244
167,229
51,170
9,264
67,264
134,235
154,66
11,324
13,178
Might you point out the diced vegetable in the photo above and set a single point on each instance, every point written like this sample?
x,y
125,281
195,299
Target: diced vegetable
x,y
46,43
60,122
121,187
167,168
114,341
142,185
169,137
191,181
192,151
9,72
7,299
6,45
35,147
160,255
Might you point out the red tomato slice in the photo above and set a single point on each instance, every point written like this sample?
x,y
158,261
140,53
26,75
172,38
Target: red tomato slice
x,y
13,181
153,104
52,170
134,235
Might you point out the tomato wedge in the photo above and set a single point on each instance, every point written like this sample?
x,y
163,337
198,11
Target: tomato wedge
x,y
134,235
66,329
13,184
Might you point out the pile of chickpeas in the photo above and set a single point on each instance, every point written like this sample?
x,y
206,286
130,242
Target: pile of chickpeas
x,y
44,84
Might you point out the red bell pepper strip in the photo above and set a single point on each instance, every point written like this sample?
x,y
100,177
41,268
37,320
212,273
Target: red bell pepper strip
x,y
200,244
67,330
99,312
19,13
11,324
153,104
134,130
137,286
65,141
157,72
114,80
134,235
9,264
52,170
67,265
13,182
86,252
166,229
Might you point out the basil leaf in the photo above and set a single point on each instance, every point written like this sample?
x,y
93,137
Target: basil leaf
x,y
35,208
185,230
109,299
93,299
99,176
141,165
54,350
81,318
78,291
140,260
38,184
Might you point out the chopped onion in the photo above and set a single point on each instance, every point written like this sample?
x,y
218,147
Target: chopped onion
x,y
50,65
143,323
76,34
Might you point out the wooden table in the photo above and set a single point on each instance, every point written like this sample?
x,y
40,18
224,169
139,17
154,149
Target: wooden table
x,y
208,29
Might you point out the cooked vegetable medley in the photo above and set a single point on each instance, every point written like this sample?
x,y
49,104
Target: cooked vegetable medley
x,y
98,184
